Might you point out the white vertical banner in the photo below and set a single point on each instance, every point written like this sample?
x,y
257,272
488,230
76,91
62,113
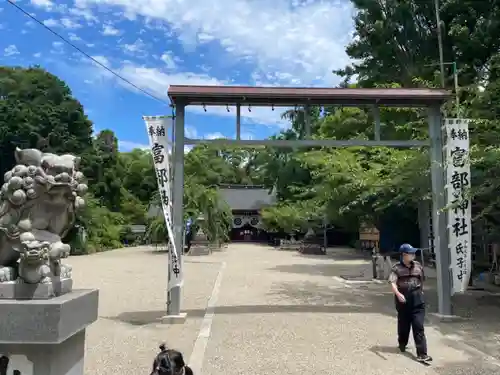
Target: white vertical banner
x,y
157,128
458,203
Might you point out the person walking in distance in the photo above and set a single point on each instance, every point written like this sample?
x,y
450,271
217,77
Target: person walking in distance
x,y
407,281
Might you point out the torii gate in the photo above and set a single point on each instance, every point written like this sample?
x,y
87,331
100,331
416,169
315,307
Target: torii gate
x,y
182,96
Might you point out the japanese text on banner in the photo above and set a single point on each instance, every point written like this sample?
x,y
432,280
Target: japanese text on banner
x,y
157,128
458,201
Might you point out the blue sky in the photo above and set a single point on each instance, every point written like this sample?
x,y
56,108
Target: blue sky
x,y
156,43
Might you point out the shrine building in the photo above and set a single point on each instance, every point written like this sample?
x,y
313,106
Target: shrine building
x,y
245,202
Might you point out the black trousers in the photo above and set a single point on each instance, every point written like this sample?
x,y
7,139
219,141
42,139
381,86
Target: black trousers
x,y
411,317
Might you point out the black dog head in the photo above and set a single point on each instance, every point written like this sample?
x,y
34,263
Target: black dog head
x,y
170,362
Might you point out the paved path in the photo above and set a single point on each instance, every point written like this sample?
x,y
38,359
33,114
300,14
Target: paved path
x,y
269,312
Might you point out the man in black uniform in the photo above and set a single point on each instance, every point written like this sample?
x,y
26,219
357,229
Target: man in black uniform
x,y
406,279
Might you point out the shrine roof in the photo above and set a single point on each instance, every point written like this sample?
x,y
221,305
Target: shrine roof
x,y
238,197
244,198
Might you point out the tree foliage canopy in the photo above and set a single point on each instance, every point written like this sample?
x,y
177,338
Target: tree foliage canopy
x,y
395,45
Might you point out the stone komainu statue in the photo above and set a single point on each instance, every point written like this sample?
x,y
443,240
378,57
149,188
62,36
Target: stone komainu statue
x,y
39,201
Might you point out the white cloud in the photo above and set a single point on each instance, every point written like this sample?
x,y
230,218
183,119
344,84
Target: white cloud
x,y
47,4
65,22
69,23
86,14
205,38
109,30
157,82
57,48
103,60
136,48
129,146
10,50
73,37
37,55
168,60
51,22
302,40
190,132
215,135
77,11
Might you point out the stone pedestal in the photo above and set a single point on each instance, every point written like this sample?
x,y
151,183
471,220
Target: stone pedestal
x,y
46,337
16,290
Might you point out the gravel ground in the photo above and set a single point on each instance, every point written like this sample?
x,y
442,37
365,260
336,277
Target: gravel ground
x,y
277,312
132,298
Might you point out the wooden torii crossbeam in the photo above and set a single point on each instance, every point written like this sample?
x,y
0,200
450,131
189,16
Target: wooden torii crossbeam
x,y
305,97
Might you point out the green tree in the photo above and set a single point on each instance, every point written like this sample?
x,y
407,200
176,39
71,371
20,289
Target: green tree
x,y
360,183
38,110
396,40
211,165
103,227
348,185
138,174
200,202
104,170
